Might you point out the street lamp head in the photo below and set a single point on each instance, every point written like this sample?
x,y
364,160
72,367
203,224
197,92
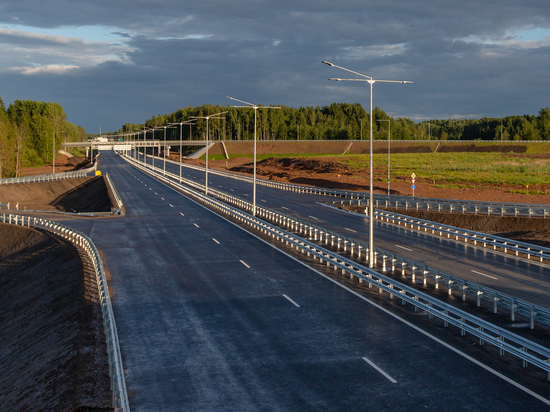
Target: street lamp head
x,y
336,79
329,63
406,82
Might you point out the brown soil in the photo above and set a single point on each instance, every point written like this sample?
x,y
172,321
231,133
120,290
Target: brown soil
x,y
53,350
83,194
63,163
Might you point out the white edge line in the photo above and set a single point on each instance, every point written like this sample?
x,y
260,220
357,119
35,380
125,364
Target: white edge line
x,y
483,274
379,370
291,301
418,329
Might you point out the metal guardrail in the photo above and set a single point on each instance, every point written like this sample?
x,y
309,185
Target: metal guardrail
x,y
50,177
399,202
119,205
469,236
116,371
507,342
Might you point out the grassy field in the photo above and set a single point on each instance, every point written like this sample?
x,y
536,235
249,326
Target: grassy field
x,y
457,169
448,170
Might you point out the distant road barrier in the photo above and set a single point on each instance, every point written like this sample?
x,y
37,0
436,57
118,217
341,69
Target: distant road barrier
x,y
49,177
116,370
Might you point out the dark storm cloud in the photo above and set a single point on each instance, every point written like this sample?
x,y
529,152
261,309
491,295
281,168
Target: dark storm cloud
x,y
463,57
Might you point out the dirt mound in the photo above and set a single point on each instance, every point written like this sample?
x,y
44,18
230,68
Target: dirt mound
x,y
53,350
83,194
293,168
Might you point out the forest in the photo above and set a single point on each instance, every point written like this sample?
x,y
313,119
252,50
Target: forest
x,y
28,130
339,121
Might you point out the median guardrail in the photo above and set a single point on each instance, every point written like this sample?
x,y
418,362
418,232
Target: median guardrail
x,y
507,342
116,370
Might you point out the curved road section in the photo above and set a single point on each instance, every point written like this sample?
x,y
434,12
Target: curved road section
x,y
211,318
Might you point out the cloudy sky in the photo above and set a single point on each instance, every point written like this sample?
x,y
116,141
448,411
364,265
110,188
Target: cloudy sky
x,y
111,62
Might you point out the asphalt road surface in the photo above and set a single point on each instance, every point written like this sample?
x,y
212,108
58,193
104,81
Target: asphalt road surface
x,y
211,318
526,280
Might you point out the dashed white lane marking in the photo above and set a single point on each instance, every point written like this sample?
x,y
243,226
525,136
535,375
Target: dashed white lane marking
x,y
196,224
244,264
313,217
162,198
215,241
170,205
402,247
380,370
245,194
182,214
483,274
351,230
231,190
263,201
291,301
286,208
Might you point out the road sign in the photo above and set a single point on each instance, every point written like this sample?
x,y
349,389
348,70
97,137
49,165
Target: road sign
x,y
413,176
413,187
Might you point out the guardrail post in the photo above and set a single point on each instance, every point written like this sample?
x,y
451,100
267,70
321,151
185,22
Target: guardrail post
x,y
532,317
495,304
462,331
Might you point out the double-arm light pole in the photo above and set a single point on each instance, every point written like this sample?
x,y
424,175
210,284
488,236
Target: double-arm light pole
x,y
212,116
371,81
255,107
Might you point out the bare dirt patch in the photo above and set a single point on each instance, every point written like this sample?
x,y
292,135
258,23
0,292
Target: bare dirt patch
x,y
53,351
63,163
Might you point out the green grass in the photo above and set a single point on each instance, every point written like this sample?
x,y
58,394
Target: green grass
x,y
458,168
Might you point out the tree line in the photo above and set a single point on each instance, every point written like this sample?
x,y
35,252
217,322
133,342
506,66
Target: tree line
x,y
27,131
342,121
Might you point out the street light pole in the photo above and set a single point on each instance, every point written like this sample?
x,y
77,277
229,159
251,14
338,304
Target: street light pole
x,y
212,116
389,125
255,107
371,81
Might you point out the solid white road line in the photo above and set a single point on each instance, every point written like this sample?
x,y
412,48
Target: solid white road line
x,y
380,370
483,274
291,301
402,247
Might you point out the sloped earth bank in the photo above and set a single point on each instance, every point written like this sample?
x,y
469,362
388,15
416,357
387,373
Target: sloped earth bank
x,y
83,194
327,172
53,354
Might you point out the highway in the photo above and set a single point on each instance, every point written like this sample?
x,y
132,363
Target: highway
x,y
212,318
525,280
